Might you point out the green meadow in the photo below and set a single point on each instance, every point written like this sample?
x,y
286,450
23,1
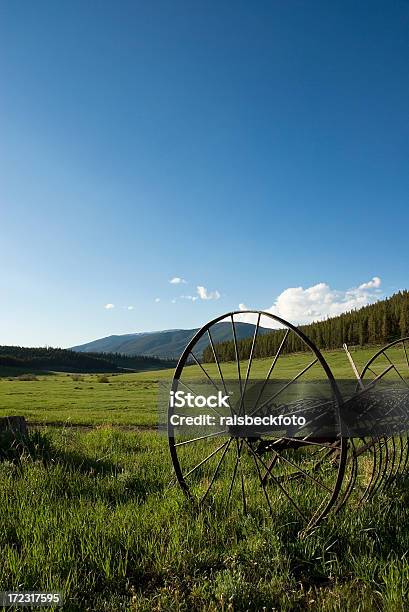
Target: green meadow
x,y
89,507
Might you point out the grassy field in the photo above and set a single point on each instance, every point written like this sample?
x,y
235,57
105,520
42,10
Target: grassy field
x,y
131,399
90,508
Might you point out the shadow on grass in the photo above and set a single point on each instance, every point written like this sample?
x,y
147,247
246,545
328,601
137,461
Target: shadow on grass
x,y
120,487
38,447
14,373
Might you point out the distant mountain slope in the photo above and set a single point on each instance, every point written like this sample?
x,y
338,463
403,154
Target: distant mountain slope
x,y
165,344
65,360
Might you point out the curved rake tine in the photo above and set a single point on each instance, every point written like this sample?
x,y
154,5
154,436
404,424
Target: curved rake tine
x,y
402,410
378,454
372,448
380,482
392,462
397,470
352,479
406,456
395,467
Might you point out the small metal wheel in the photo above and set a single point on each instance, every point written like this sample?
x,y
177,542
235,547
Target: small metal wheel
x,y
381,458
295,479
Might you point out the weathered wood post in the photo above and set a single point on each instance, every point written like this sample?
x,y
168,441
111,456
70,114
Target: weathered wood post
x,y
17,425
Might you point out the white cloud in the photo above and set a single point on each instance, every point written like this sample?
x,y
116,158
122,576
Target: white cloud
x,y
130,307
173,301
242,307
204,294
109,306
298,305
192,298
177,280
157,300
375,283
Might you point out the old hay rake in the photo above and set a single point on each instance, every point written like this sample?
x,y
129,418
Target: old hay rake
x,y
348,443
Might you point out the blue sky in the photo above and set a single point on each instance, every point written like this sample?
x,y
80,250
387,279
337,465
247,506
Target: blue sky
x,y
247,148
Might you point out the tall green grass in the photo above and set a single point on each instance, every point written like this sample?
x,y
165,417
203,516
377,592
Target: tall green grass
x,y
95,515
94,512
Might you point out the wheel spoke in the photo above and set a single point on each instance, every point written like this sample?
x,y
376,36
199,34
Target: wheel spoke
x,y
207,459
262,483
236,350
239,447
288,496
277,355
396,369
219,368
216,471
250,361
318,482
270,467
232,481
286,385
194,393
200,438
204,371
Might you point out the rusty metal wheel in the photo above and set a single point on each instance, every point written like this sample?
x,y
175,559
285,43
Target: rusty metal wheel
x,y
291,478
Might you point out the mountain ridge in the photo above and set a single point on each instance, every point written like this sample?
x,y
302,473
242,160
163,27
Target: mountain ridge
x,y
163,344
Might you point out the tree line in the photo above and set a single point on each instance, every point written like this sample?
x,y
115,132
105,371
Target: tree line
x,y
378,323
65,360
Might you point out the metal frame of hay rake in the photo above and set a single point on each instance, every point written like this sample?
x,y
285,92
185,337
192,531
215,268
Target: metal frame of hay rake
x,y
312,475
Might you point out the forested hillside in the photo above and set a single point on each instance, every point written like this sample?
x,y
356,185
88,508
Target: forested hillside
x,y
167,344
72,361
377,323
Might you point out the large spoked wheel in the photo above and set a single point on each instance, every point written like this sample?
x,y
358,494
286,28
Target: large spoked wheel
x,y
382,458
295,479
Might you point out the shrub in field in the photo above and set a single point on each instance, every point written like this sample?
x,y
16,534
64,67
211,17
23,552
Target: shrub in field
x,y
76,377
28,377
103,379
